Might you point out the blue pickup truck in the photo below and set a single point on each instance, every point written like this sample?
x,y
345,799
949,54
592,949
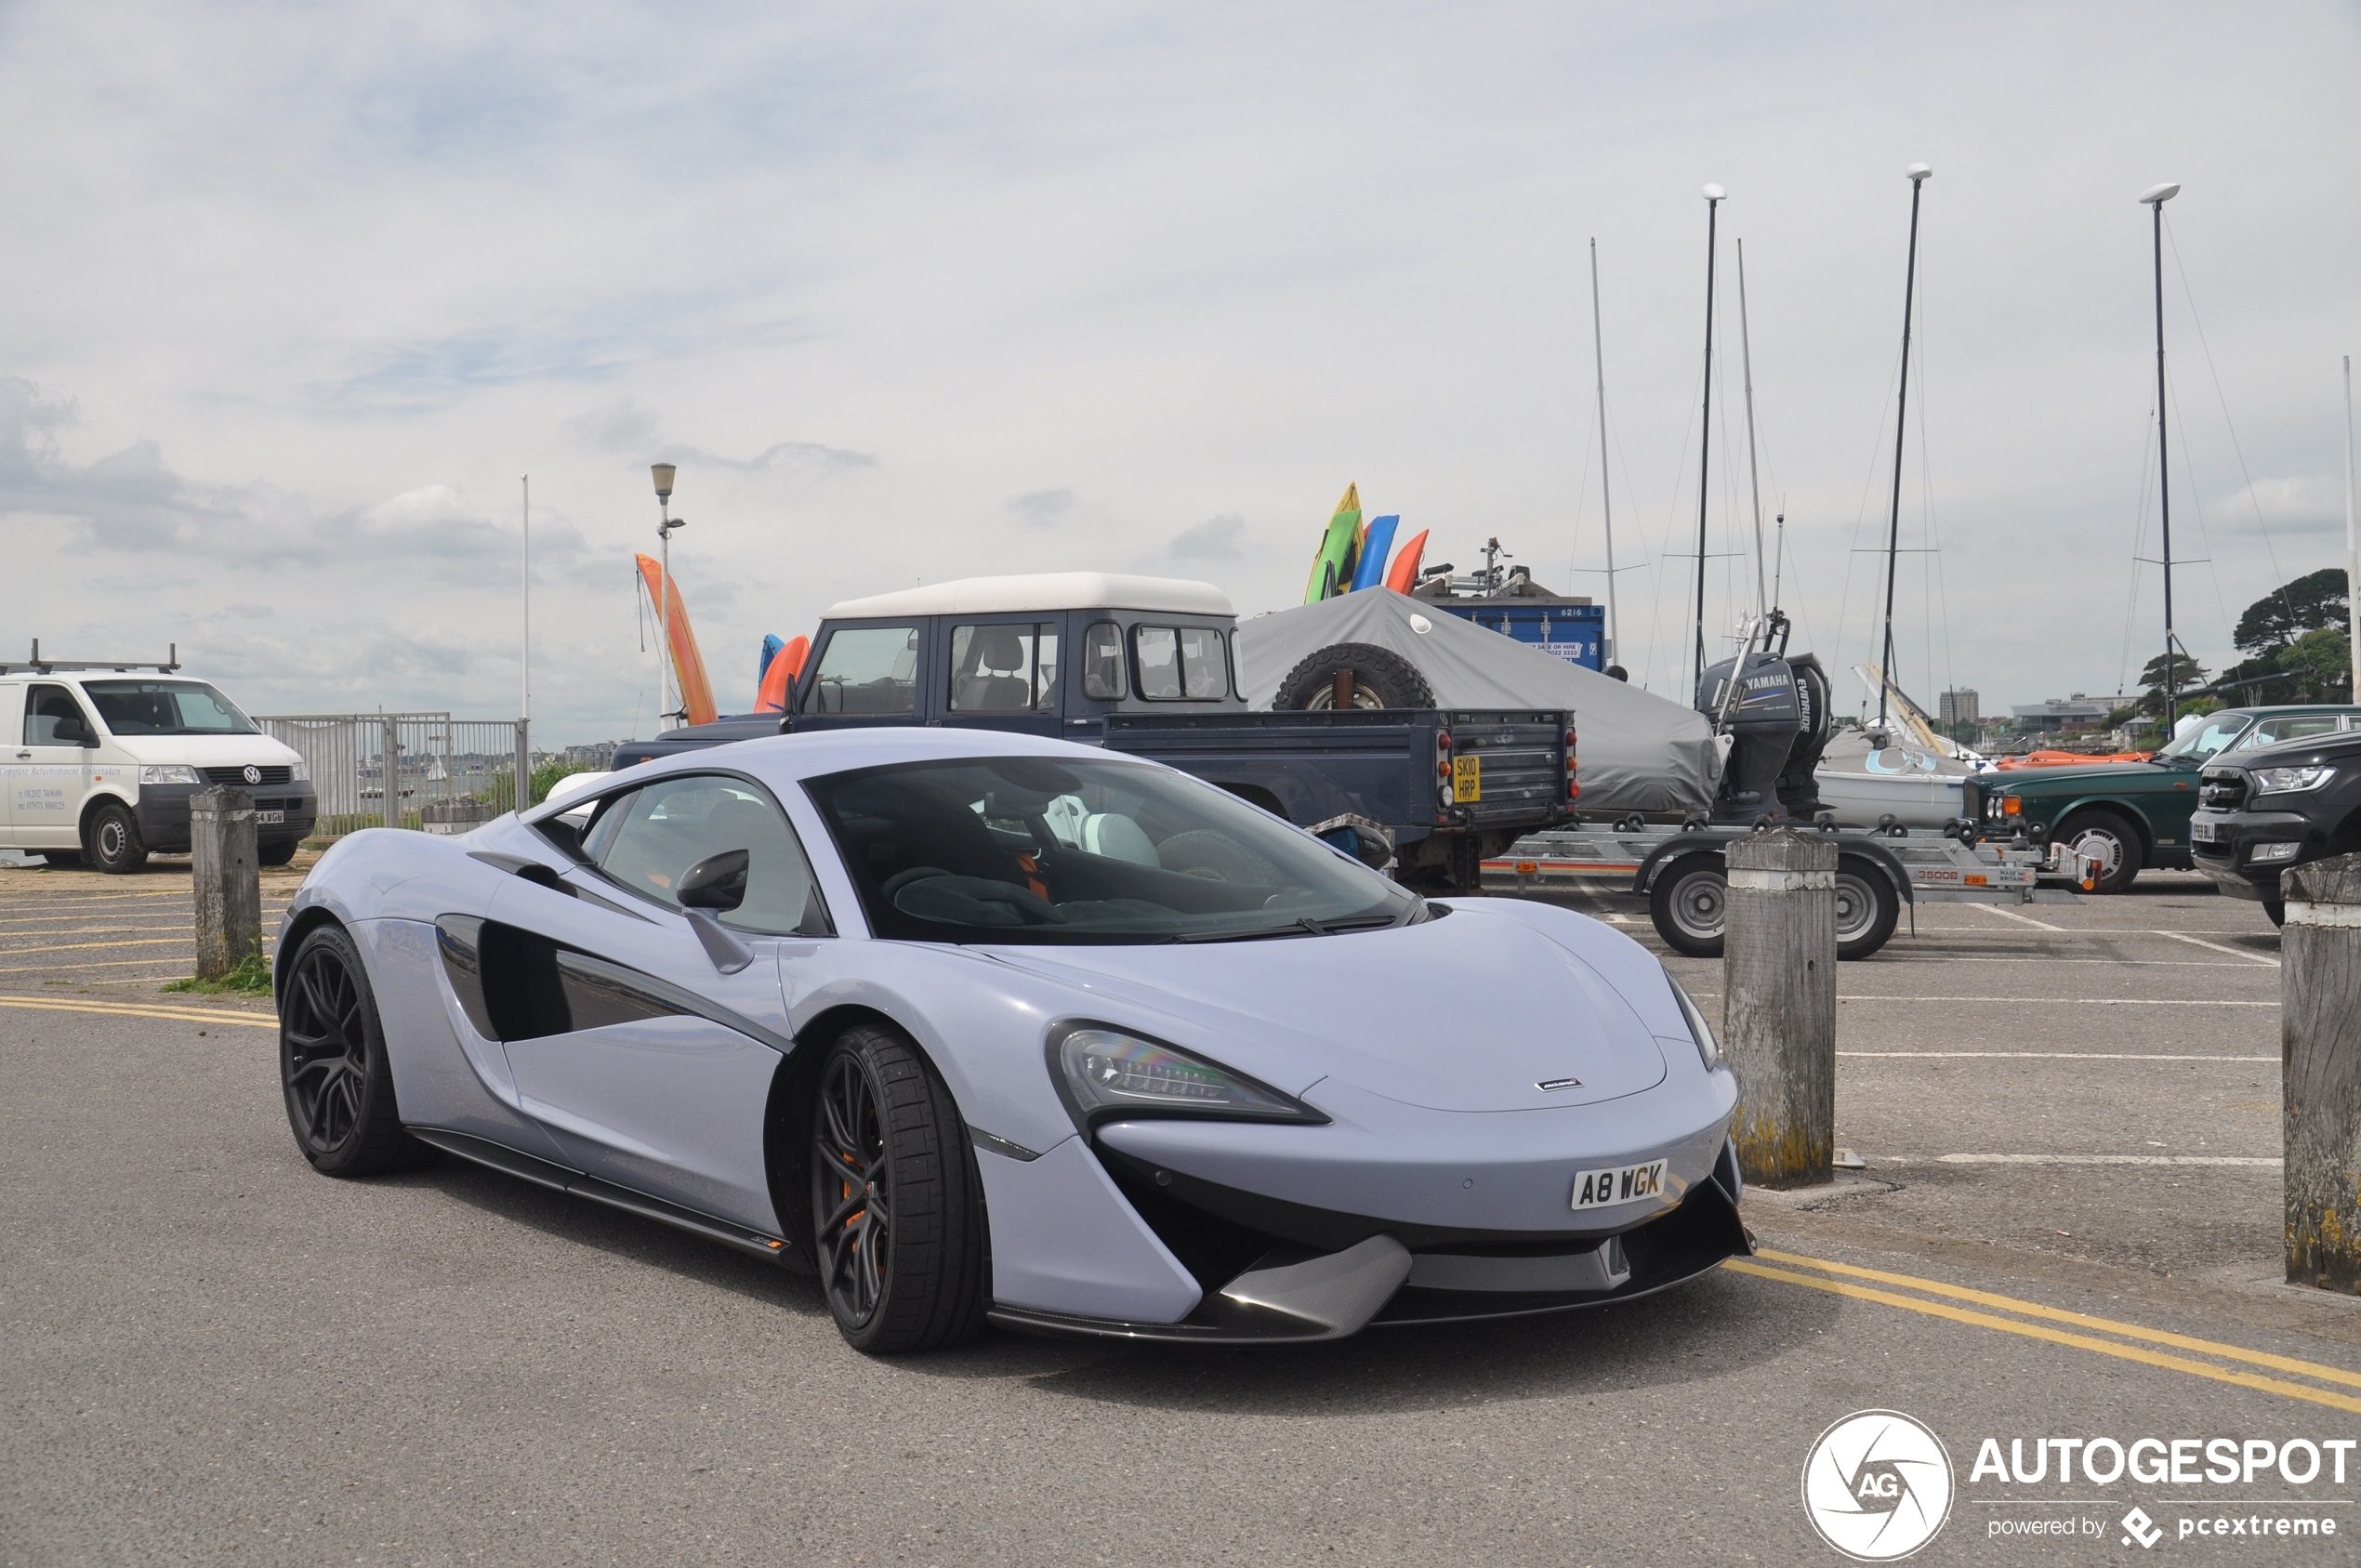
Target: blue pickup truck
x,y
1147,665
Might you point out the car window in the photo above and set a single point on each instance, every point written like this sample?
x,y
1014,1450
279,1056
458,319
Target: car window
x,y
1084,851
47,708
1180,664
866,669
645,839
165,707
2208,737
1102,662
2271,732
1004,668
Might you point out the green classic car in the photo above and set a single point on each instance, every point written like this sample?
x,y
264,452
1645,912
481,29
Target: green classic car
x,y
2134,815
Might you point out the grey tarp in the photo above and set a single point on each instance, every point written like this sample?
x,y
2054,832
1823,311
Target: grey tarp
x,y
1638,752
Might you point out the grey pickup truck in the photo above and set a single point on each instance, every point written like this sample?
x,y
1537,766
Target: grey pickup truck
x,y
1147,665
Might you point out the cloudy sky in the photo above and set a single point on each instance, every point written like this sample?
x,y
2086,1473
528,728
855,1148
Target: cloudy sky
x,y
295,296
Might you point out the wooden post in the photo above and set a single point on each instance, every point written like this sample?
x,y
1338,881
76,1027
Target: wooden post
x,y
229,881
1779,1004
2320,1071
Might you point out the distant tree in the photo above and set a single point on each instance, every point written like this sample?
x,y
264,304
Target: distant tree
x,y
2276,620
2322,662
2187,673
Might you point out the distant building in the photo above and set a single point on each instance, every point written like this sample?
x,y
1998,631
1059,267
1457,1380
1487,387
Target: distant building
x,y
1958,706
2076,712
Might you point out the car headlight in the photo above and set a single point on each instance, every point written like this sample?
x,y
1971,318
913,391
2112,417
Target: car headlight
x,y
1103,1073
169,773
1708,1051
2291,781
301,772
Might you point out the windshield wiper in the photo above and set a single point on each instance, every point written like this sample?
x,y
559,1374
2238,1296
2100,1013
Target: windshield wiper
x,y
1302,925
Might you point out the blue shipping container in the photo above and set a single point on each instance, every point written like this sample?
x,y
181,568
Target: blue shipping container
x,y
1574,632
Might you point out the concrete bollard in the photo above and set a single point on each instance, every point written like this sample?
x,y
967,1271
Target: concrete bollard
x,y
227,879
1779,1004
2320,1071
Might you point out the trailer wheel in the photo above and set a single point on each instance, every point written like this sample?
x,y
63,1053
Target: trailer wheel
x,y
1868,907
1690,903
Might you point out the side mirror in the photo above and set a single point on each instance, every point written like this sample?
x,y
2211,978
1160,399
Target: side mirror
x,y
75,731
717,882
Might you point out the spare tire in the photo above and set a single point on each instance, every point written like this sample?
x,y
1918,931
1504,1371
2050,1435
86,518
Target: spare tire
x,y
1380,677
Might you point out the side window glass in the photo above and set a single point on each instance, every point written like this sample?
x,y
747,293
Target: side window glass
x,y
1204,673
1102,662
1004,668
866,669
48,710
646,839
1157,652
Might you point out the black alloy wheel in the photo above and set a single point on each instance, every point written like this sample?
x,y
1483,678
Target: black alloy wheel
x,y
897,1209
332,1062
111,842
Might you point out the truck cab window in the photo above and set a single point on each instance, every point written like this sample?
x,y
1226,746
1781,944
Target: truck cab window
x,y
1102,662
53,717
1181,663
866,669
1004,668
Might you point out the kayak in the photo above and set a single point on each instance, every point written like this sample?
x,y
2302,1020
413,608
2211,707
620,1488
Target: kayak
x,y
779,673
1368,570
1407,560
687,664
1336,543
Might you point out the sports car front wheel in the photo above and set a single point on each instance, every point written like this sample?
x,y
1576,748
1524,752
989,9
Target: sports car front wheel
x,y
897,1209
332,1062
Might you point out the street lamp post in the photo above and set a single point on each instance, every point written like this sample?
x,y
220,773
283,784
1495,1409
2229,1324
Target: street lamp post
x,y
665,683
2154,198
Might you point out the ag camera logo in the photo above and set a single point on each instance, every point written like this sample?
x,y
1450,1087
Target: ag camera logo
x,y
1878,1485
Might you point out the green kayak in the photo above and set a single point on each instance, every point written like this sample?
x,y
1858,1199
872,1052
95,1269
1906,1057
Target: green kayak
x,y
1330,567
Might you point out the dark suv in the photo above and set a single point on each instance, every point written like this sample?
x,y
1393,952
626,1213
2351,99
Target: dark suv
x,y
2261,811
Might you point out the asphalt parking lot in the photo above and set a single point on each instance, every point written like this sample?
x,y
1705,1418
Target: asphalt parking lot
x,y
2066,1226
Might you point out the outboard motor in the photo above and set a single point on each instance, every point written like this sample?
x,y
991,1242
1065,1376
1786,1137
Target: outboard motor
x,y
1775,712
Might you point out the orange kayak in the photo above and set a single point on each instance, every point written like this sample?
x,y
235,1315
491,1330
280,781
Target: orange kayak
x,y
2067,759
687,664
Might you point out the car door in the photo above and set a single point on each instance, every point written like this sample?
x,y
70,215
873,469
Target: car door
x,y
11,728
49,769
1002,673
865,675
648,1060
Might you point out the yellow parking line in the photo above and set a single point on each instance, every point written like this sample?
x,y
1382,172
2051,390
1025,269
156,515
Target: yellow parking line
x,y
176,1015
2057,1336
80,946
2053,1314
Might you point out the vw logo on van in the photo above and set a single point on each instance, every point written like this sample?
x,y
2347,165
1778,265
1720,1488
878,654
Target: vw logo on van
x,y
254,774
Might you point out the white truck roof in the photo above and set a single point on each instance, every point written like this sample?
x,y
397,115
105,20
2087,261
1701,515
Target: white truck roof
x,y
1040,590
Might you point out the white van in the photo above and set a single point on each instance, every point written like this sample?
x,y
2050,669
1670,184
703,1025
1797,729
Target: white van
x,y
105,758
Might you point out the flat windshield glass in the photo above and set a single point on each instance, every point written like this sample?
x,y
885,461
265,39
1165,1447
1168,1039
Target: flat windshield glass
x,y
2208,737
165,707
1031,849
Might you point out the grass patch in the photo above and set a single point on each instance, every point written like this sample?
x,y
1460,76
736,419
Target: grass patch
x,y
251,978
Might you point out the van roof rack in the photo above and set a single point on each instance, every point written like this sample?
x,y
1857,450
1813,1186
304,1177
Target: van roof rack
x,y
39,665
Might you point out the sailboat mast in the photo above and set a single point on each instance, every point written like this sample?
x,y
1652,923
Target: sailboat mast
x,y
2156,199
1606,495
1713,195
2352,539
1754,470
1919,174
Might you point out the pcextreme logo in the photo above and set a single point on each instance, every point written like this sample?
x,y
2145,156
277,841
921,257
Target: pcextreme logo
x,y
1878,1485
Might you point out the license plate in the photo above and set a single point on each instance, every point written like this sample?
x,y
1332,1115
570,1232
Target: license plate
x,y
2200,833
1597,1189
270,819
1467,779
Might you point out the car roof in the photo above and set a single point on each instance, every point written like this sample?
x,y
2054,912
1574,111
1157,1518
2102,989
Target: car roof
x,y
785,761
1040,590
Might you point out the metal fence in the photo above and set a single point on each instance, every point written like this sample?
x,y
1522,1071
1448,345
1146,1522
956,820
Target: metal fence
x,y
407,770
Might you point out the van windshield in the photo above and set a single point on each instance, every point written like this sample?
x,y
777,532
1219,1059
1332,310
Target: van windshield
x,y
165,707
1034,849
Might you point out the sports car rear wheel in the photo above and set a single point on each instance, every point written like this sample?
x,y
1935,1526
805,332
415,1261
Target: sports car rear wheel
x,y
332,1062
897,1209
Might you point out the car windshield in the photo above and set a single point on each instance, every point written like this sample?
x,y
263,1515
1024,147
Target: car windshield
x,y
2204,740
1031,849
165,707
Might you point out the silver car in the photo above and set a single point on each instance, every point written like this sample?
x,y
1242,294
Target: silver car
x,y
978,1027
